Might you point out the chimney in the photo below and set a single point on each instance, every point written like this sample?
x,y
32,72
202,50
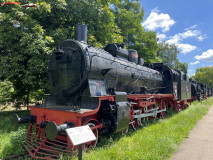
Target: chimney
x,y
81,32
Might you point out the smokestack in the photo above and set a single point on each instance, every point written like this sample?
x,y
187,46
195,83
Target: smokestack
x,y
81,32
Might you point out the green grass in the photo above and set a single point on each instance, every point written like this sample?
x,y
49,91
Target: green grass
x,y
156,140
11,142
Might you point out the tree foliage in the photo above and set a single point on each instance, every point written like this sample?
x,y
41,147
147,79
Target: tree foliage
x,y
129,16
182,66
204,75
168,53
6,90
24,51
147,47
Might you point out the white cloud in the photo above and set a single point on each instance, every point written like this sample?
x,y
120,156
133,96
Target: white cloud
x,y
177,38
192,27
173,40
186,48
196,62
206,56
158,20
196,33
189,33
164,22
202,37
161,36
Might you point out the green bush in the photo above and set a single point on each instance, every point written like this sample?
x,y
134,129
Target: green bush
x,y
15,144
11,142
6,90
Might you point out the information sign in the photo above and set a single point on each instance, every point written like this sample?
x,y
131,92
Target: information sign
x,y
80,135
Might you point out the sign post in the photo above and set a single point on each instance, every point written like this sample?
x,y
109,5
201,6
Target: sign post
x,y
80,152
79,136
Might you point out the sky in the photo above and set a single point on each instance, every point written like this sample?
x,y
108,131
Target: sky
x,y
186,23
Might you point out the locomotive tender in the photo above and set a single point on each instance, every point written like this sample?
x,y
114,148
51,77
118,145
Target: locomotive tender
x,y
107,89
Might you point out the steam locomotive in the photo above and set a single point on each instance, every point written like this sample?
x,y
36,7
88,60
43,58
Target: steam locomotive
x,y
107,89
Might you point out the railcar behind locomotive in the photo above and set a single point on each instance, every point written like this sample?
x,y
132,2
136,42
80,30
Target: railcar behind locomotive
x,y
107,89
195,90
203,90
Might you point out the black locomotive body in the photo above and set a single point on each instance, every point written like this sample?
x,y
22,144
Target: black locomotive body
x,y
184,87
78,71
209,92
175,82
195,89
203,90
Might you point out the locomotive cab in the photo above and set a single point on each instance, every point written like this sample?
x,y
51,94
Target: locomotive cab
x,y
194,89
184,86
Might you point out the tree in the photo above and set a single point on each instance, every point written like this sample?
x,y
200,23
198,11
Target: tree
x,y
6,90
168,53
129,16
24,52
205,75
182,66
60,17
147,47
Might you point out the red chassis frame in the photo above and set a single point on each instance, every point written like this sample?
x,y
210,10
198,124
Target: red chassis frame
x,y
38,146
